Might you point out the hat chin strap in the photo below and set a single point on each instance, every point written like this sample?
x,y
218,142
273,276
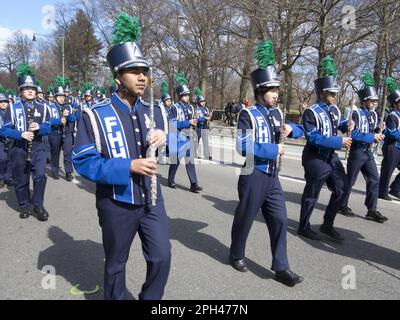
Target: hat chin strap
x,y
126,91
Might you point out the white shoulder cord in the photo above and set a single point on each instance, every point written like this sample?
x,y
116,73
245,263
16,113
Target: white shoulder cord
x,y
95,128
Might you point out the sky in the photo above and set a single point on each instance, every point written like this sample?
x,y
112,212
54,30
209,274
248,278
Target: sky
x,y
29,16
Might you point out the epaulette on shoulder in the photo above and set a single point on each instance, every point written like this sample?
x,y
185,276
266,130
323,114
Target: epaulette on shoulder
x,y
147,104
104,103
313,106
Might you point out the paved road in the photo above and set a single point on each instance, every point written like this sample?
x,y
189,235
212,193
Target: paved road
x,y
200,234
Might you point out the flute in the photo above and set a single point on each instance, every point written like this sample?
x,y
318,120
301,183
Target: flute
x,y
152,149
30,143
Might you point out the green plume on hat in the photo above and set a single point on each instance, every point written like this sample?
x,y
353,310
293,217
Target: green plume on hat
x,y
368,79
10,92
197,92
38,83
2,89
88,86
327,67
164,88
112,82
181,79
391,84
50,88
126,29
103,90
264,54
67,81
58,81
24,70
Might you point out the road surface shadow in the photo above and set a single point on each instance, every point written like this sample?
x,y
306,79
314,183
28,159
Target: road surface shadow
x,y
188,233
355,246
164,182
7,194
85,184
77,261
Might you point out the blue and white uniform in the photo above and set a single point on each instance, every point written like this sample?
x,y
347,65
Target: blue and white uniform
x,y
391,155
15,123
259,130
321,163
110,135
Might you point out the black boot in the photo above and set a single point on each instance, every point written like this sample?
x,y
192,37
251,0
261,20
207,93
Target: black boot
x,y
387,198
309,234
288,278
195,188
172,185
69,176
331,233
42,214
346,211
373,215
24,213
239,265
395,194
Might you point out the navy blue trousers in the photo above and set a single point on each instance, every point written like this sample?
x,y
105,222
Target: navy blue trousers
x,y
58,142
317,172
5,164
119,223
391,161
22,170
173,167
203,134
363,161
261,191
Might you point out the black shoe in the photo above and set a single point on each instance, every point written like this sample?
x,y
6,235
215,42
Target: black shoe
x,y
9,183
374,216
210,158
395,194
387,198
42,214
24,213
239,265
288,278
382,216
331,233
346,211
69,177
172,185
195,188
309,233
56,176
2,183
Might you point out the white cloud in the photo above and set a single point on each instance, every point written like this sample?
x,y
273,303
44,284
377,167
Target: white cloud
x,y
6,34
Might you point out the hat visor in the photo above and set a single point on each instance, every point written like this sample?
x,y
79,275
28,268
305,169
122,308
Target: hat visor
x,y
333,89
133,65
371,98
269,84
185,93
28,85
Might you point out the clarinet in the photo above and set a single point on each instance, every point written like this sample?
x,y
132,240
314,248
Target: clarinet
x,y
282,138
6,142
376,146
30,143
152,149
353,109
63,125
